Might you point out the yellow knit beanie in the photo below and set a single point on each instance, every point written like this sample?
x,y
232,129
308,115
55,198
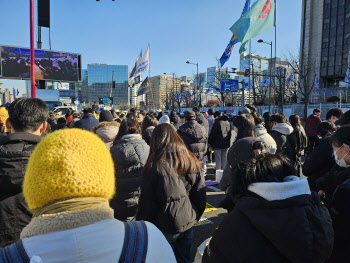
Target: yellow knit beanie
x,y
68,163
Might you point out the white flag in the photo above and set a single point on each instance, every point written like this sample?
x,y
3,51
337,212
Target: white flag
x,y
142,64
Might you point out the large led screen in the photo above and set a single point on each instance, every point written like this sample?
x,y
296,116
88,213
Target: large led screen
x,y
49,65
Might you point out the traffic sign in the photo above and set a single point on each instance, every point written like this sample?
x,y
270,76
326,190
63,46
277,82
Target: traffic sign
x,y
229,85
225,76
240,73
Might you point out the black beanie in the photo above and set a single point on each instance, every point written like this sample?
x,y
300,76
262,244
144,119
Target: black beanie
x,y
106,115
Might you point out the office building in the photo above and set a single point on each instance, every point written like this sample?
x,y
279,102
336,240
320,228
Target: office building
x,y
324,46
163,90
98,82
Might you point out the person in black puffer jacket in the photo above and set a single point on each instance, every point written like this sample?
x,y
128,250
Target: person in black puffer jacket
x,y
173,190
129,153
148,125
276,218
321,160
194,135
219,139
175,119
27,119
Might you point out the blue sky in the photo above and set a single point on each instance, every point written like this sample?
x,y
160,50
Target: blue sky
x,y
114,32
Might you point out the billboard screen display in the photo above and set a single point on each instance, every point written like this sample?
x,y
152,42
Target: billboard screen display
x,y
105,100
49,65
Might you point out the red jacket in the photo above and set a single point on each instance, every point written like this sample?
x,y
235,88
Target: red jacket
x,y
311,124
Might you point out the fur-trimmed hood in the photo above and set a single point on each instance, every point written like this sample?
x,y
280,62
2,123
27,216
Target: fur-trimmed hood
x,y
107,131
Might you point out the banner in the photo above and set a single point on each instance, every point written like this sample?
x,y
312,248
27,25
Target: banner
x,y
257,20
289,80
234,40
144,88
142,64
317,81
265,82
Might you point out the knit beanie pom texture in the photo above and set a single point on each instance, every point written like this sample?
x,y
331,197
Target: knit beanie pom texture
x,y
68,163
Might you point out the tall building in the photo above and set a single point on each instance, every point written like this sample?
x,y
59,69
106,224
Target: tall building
x,y
98,82
324,46
255,63
187,79
161,86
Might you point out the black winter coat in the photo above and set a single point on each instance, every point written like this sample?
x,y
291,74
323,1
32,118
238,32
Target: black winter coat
x,y
195,137
174,203
319,162
220,135
87,122
15,150
340,214
147,133
297,229
202,121
129,155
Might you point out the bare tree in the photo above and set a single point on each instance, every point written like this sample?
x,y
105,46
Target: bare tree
x,y
306,75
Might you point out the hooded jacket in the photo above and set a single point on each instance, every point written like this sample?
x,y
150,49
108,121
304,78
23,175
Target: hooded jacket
x,y
15,150
173,202
286,142
87,122
129,154
262,134
195,138
107,131
276,222
220,135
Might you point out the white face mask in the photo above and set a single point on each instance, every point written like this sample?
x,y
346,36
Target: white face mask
x,y
235,134
340,162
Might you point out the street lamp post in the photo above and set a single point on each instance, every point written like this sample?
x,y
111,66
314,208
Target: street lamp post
x,y
200,95
270,65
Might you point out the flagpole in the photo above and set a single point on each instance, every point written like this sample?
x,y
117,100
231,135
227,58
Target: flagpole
x,y
275,49
149,78
250,55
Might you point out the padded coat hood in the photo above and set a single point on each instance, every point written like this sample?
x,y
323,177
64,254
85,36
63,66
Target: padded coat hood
x,y
283,128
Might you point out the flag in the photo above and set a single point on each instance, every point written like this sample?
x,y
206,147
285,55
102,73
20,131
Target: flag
x,y
208,91
216,90
289,80
257,20
142,64
234,40
346,80
144,88
265,82
248,85
14,93
83,104
198,102
17,92
317,81
132,80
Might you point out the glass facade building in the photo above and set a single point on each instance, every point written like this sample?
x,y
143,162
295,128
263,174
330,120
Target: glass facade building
x,y
97,82
335,40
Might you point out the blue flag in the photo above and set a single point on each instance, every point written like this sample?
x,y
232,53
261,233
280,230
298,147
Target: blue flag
x,y
265,82
83,104
234,40
289,80
317,81
346,80
14,93
208,91
216,90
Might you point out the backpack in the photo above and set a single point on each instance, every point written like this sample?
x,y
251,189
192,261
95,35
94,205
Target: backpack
x,y
134,247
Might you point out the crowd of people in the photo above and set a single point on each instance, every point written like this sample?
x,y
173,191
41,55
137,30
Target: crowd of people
x,y
108,186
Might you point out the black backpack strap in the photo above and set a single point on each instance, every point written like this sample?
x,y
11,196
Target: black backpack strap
x,y
14,253
135,243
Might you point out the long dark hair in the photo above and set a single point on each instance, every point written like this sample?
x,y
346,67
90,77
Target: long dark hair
x,y
149,121
294,120
128,126
264,168
167,146
246,126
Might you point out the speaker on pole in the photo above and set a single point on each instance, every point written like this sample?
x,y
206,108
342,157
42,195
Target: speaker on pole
x,y
44,13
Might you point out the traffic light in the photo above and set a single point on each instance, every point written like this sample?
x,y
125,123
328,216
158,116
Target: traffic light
x,y
247,73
